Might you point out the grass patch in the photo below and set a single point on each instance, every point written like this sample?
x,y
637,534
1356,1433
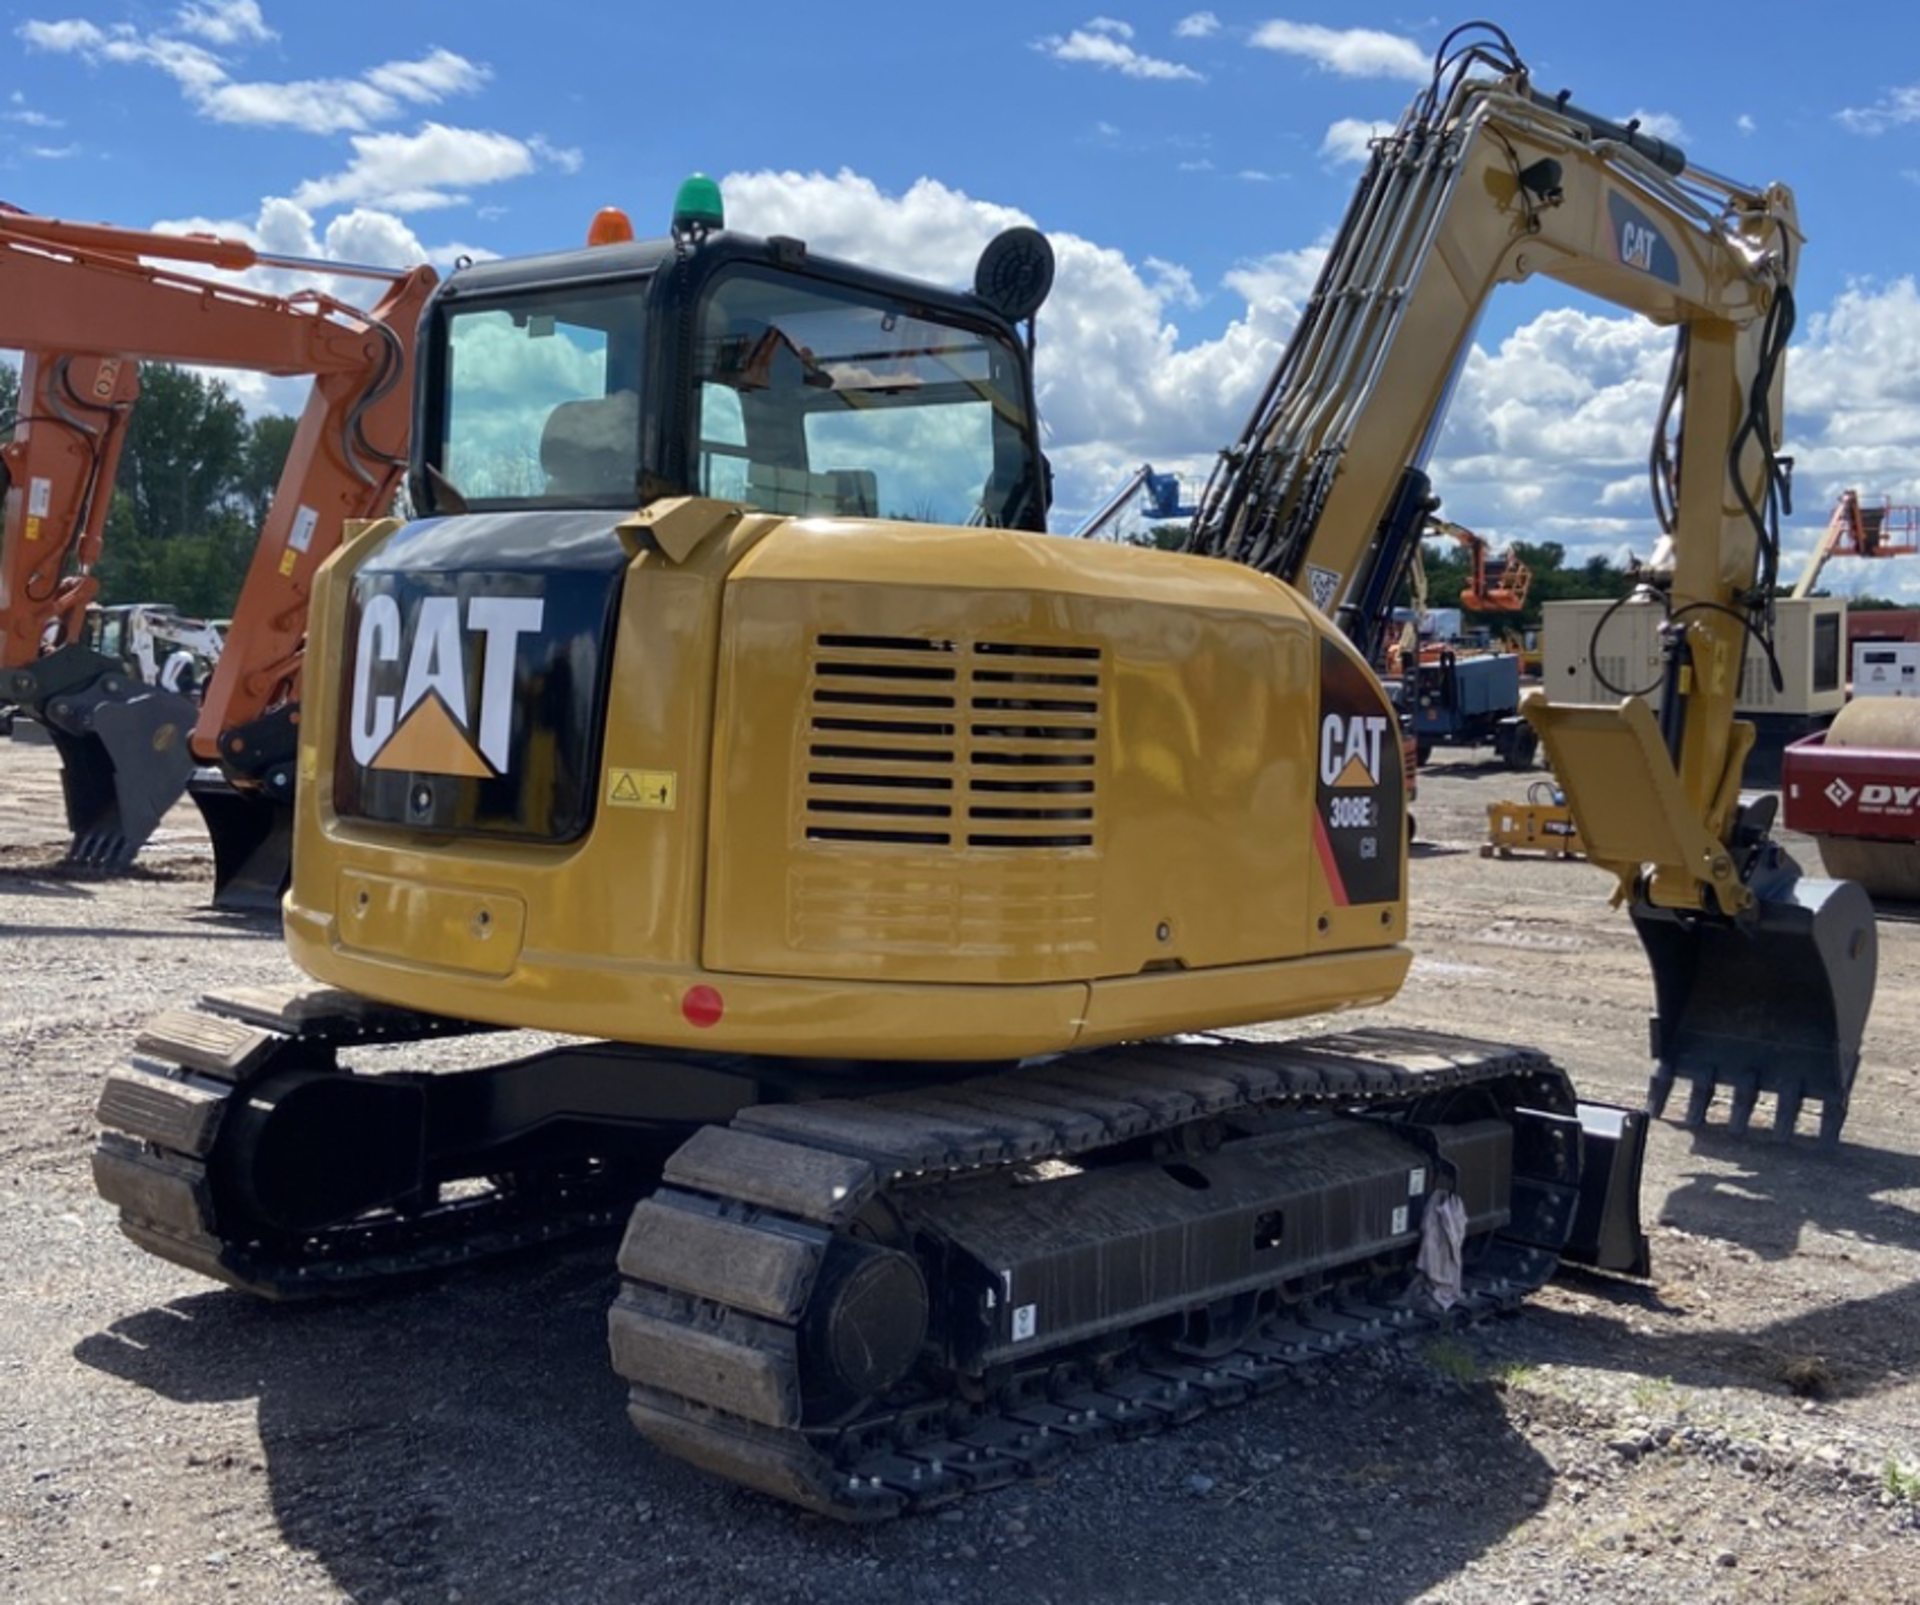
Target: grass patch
x,y
1514,1374
1655,1395
1903,1484
1454,1360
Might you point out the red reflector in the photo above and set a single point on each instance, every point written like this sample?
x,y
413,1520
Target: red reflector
x,y
703,1006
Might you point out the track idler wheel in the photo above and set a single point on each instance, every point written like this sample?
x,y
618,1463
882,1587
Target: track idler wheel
x,y
863,1327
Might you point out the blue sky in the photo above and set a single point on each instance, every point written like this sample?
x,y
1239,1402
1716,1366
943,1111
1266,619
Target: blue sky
x,y
1190,165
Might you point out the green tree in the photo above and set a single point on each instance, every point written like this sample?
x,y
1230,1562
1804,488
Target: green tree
x,y
9,398
196,477
185,452
269,439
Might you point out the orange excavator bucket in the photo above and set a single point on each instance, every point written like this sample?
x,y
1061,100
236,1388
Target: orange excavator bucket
x,y
123,749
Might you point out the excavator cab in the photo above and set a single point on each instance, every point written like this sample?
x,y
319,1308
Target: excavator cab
x,y
747,372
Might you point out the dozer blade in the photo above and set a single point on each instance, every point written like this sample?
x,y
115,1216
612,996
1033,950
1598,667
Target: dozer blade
x,y
252,834
1775,1003
124,762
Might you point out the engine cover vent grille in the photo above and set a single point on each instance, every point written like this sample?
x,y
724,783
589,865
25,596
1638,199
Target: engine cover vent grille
x,y
956,744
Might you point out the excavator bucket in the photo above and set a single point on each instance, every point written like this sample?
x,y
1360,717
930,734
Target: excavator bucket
x,y
1773,1003
124,762
1772,999
252,835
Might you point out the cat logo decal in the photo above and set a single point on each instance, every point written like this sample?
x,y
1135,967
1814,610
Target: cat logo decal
x,y
453,714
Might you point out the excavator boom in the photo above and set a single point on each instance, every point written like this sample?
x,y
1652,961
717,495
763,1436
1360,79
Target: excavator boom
x,y
1485,181
122,744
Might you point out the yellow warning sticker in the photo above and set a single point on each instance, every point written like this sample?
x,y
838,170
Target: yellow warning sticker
x,y
289,561
641,788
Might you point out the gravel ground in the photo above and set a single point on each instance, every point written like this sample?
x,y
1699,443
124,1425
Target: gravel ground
x,y
1746,1427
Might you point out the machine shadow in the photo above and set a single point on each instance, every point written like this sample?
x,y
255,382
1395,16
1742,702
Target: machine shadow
x,y
412,1440
1848,1350
1762,1192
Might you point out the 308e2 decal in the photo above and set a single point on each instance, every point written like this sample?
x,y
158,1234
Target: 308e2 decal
x,y
1359,820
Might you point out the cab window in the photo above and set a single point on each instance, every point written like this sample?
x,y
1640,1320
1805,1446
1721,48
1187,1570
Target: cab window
x,y
542,398
813,401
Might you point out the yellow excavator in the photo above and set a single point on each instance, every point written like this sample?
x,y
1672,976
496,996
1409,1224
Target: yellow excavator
x,y
906,881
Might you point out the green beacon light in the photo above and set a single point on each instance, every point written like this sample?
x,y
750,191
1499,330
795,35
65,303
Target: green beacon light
x,y
697,210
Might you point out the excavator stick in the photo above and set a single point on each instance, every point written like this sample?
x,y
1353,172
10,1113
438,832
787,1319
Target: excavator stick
x,y
123,750
1772,1002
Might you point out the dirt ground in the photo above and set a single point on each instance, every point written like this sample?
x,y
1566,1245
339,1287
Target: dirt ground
x,y
1745,1427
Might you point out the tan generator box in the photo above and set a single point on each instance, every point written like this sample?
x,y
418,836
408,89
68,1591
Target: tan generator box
x,y
1576,665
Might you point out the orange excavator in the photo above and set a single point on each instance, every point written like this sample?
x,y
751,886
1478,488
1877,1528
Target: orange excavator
x,y
86,303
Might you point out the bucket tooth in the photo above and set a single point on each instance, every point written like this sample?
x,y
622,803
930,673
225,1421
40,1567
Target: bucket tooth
x,y
1699,1100
1746,1093
1786,1111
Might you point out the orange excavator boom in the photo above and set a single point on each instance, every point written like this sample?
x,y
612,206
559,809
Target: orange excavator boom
x,y
56,475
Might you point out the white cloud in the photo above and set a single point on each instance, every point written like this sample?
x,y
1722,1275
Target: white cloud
x,y
1900,107
432,78
1201,25
1351,139
316,105
225,22
1171,283
417,172
565,160
194,68
1853,389
73,35
1102,43
1116,387
1349,52
1660,124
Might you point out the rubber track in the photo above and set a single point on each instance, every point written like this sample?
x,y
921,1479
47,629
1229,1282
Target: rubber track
x,y
767,1193
162,1114
709,1344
